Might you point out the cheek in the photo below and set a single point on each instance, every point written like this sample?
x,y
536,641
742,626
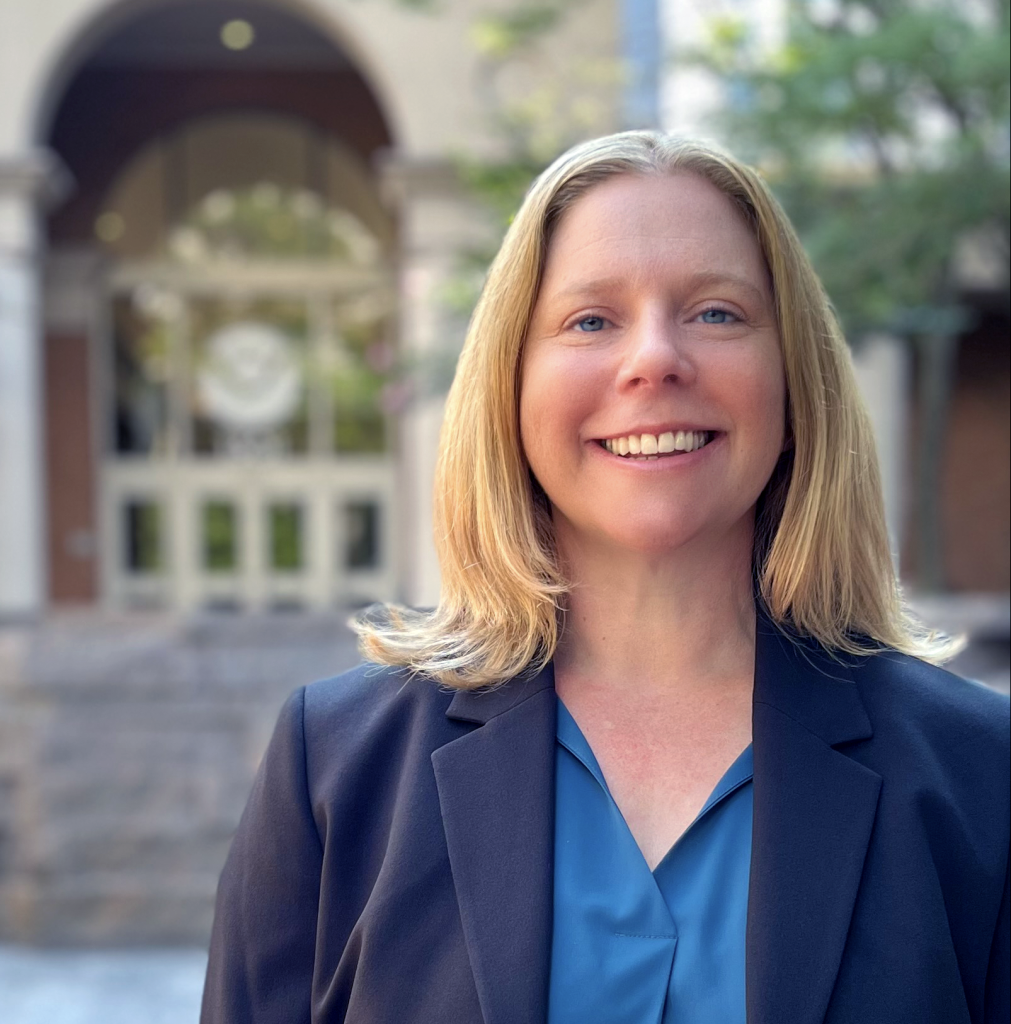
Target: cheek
x,y
554,400
768,415
758,387
534,408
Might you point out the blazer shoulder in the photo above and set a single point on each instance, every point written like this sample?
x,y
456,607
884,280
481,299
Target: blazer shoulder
x,y
371,726
903,692
371,697
940,736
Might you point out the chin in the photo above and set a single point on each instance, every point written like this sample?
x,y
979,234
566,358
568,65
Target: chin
x,y
645,539
658,535
657,546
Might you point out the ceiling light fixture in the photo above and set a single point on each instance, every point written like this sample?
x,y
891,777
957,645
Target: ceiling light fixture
x,y
237,34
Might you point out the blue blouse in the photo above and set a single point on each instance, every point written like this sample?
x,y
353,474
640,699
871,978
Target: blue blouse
x,y
631,946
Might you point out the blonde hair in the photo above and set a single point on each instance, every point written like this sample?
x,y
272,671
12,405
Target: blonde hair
x,y
821,556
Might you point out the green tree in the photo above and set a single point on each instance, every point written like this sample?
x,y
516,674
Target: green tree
x,y
883,127
535,123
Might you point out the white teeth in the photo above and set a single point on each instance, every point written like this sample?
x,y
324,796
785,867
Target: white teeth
x,y
648,446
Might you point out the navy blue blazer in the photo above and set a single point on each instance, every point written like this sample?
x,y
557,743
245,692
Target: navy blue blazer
x,y
394,863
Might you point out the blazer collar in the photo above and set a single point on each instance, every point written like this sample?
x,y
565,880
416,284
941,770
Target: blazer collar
x,y
480,706
497,795
814,808
800,679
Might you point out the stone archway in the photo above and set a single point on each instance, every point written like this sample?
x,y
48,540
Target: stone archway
x,y
142,86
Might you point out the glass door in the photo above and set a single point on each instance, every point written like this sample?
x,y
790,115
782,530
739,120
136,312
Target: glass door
x,y
249,461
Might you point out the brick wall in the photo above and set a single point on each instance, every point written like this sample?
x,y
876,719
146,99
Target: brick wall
x,y
70,470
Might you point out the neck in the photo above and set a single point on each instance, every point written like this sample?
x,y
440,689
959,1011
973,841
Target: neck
x,y
678,624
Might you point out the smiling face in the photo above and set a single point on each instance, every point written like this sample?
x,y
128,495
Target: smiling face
x,y
652,395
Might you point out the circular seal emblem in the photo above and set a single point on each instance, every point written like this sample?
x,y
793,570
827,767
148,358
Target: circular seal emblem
x,y
251,379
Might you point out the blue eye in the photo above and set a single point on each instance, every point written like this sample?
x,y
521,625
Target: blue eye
x,y
717,316
590,323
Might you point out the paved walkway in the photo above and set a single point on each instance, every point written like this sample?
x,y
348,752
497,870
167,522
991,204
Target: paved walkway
x,y
71,987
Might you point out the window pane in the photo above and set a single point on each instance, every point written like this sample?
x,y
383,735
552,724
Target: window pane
x,y
140,373
361,533
362,364
220,537
359,430
142,533
248,379
285,532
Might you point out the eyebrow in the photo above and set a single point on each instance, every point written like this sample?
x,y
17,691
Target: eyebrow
x,y
702,280
712,278
590,287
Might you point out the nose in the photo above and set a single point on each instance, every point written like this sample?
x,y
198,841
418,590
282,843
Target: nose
x,y
655,354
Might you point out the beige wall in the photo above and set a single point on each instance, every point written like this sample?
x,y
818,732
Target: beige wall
x,y
424,67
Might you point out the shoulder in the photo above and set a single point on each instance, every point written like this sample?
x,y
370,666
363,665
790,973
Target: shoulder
x,y
371,699
372,722
941,744
908,698
373,691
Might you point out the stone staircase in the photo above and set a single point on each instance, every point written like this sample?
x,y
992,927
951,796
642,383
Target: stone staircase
x,y
127,750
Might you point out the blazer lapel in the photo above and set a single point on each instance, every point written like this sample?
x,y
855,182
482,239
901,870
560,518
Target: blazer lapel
x,y
814,809
496,790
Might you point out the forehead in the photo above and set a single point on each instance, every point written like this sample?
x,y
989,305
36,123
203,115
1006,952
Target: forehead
x,y
635,224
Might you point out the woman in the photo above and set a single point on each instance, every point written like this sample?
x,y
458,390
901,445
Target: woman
x,y
666,750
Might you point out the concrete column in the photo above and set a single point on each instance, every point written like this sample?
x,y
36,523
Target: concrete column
x,y
27,182
882,367
438,220
643,49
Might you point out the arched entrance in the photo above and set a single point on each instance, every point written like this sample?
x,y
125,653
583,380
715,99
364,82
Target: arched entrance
x,y
220,301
